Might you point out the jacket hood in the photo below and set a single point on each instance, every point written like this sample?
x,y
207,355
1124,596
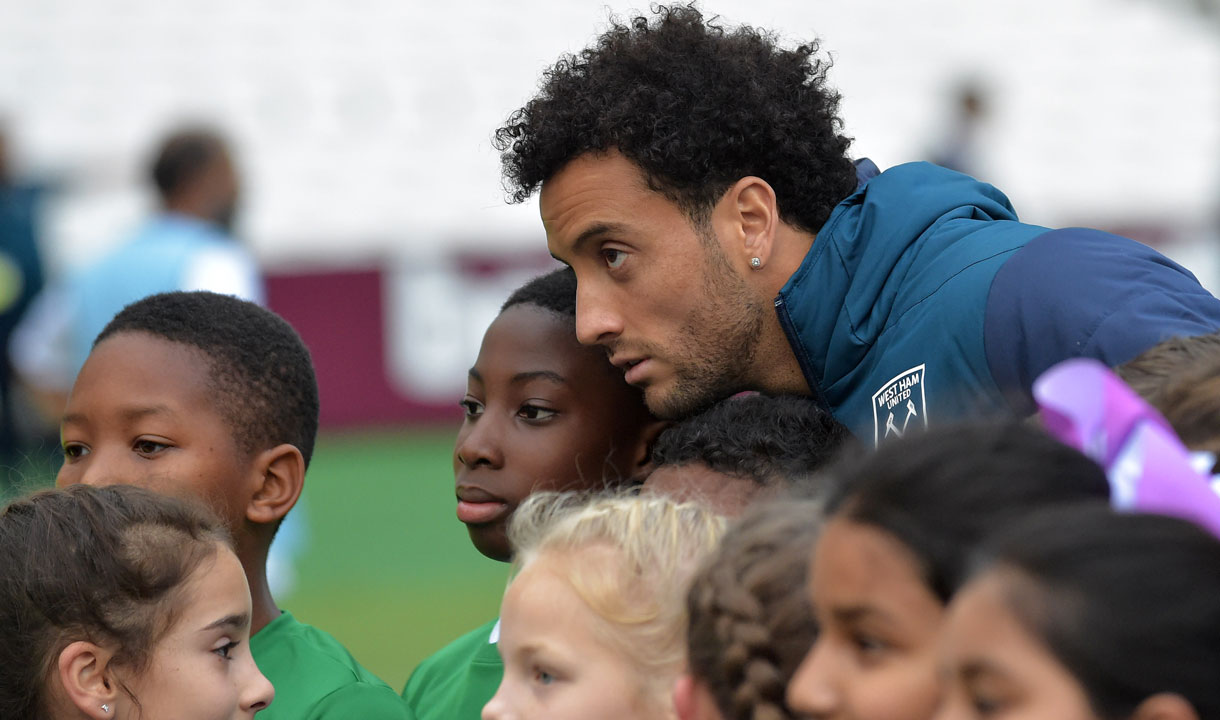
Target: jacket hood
x,y
879,249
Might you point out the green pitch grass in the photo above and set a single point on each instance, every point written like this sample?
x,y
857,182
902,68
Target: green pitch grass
x,y
386,567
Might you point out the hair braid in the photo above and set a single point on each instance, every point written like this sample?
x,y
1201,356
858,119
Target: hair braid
x,y
750,623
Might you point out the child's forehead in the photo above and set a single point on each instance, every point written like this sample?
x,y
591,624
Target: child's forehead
x,y
131,343
152,365
524,332
535,318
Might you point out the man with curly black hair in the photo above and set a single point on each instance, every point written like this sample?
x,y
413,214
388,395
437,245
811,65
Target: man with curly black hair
x,y
696,178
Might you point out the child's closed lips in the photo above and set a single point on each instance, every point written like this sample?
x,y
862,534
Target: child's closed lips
x,y
476,506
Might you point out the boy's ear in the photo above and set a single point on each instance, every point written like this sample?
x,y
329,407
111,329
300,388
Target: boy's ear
x,y
280,480
85,676
1165,706
641,458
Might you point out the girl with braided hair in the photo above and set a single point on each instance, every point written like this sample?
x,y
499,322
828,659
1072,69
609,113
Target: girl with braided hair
x,y
750,621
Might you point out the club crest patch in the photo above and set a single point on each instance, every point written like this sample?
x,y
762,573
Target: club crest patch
x,y
899,405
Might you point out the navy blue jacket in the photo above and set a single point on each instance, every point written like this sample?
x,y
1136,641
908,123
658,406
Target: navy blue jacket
x,y
923,299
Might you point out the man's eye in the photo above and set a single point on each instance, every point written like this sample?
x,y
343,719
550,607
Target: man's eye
x,y
614,258
148,447
472,408
534,412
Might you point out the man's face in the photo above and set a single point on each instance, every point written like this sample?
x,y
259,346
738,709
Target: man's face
x,y
657,293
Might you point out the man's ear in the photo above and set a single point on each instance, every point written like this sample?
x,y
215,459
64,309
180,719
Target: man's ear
x,y
1165,706
641,458
747,216
280,480
85,676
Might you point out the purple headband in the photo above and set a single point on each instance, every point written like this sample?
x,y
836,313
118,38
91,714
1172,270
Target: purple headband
x,y
1085,405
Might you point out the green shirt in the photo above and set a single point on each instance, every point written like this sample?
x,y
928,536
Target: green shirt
x,y
316,678
457,681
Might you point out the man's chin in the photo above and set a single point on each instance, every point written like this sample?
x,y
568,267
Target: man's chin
x,y
668,402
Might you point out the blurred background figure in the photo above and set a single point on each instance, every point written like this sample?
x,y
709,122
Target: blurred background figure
x,y
21,277
959,148
185,245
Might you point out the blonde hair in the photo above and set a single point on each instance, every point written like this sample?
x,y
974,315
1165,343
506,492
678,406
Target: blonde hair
x,y
639,587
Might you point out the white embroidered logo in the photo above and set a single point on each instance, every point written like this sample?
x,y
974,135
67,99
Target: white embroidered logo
x,y
899,403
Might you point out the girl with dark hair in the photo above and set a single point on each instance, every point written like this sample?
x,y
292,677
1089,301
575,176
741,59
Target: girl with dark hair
x,y
749,618
1084,614
895,548
119,603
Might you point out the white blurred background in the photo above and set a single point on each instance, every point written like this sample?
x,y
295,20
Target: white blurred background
x,y
363,127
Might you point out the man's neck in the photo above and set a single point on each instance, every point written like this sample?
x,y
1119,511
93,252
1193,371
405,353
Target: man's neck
x,y
188,206
777,369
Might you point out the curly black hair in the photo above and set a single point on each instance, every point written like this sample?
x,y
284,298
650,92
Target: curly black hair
x,y
767,439
697,107
260,369
554,291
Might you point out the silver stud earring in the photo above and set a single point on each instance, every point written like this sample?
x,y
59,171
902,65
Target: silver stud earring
x,y
755,263
105,708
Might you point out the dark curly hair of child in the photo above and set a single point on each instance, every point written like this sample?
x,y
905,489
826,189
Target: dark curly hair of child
x,y
750,621
773,440
697,107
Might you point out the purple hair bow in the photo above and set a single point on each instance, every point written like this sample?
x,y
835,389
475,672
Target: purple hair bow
x,y
1085,405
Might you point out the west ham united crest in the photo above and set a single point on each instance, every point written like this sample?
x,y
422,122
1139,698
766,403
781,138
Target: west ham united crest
x,y
899,405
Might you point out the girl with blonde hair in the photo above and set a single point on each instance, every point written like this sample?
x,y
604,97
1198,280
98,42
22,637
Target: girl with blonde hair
x,y
593,624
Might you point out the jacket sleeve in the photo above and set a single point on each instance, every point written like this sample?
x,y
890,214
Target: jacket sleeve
x,y
1086,293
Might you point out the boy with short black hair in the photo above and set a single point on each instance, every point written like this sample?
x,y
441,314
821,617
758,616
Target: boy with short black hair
x,y
543,412
206,396
745,448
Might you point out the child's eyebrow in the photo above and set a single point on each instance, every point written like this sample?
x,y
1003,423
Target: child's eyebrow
x,y
236,621
523,377
128,414
538,375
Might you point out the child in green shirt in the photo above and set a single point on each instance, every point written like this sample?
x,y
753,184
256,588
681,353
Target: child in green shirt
x,y
206,396
543,412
